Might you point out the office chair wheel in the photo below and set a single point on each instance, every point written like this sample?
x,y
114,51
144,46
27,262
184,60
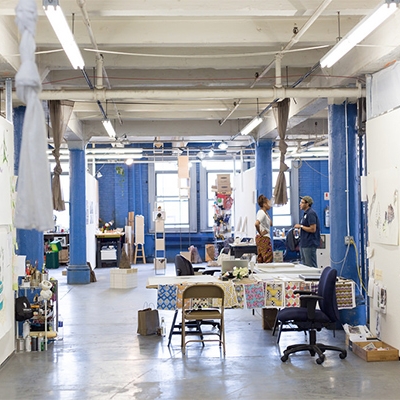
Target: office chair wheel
x,y
343,355
320,359
284,358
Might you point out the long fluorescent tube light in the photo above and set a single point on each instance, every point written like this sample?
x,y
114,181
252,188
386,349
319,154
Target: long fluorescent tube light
x,y
57,20
358,33
109,128
251,125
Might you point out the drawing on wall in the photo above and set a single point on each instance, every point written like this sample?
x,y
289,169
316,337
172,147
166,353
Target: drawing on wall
x,y
383,214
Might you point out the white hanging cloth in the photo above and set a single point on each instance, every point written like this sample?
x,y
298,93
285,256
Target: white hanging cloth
x,y
34,207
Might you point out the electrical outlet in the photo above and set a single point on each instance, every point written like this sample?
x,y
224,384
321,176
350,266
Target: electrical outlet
x,y
348,239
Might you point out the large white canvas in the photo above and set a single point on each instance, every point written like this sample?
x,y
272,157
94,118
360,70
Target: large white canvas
x,y
5,181
383,208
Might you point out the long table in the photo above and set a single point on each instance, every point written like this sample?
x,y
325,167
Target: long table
x,y
270,287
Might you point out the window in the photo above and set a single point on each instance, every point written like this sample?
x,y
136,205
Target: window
x,y
164,191
61,218
281,214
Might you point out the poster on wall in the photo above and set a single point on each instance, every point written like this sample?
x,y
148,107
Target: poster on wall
x,y
383,208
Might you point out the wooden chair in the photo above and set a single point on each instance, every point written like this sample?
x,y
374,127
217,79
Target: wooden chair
x,y
203,291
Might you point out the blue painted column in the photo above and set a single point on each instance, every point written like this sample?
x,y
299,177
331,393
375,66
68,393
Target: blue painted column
x,y
29,242
78,271
264,168
345,204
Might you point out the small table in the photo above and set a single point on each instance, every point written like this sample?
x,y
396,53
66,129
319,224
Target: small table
x,y
237,250
113,239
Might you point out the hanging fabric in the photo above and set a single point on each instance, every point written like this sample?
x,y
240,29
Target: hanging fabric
x,y
281,114
60,112
34,204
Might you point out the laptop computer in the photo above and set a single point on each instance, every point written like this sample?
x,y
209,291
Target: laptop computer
x,y
227,265
310,277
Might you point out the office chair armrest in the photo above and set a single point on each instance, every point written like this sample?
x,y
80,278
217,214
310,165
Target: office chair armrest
x,y
310,302
303,292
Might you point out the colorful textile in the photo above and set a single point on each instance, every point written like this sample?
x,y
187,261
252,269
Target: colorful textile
x,y
255,297
274,294
292,299
166,297
239,289
345,294
264,249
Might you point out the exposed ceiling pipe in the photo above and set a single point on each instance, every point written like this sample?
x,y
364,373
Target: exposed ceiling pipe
x,y
199,94
295,38
236,105
100,70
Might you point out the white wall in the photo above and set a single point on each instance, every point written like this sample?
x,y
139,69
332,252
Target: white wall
x,y
383,149
7,324
245,202
92,217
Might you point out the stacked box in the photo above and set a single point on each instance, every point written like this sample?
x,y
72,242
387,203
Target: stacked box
x,y
224,184
123,278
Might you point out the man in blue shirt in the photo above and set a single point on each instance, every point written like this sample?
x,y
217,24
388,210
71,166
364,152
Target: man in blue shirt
x,y
309,233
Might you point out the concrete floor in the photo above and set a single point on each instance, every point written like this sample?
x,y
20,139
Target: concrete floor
x,y
102,357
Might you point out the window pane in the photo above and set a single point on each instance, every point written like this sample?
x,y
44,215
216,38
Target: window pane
x,y
285,220
167,184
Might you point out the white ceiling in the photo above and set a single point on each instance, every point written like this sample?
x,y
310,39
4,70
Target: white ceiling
x,y
182,72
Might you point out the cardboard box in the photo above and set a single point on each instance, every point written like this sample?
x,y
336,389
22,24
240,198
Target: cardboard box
x,y
123,278
269,318
278,256
210,252
391,354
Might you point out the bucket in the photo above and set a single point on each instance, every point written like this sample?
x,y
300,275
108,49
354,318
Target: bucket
x,y
34,343
20,345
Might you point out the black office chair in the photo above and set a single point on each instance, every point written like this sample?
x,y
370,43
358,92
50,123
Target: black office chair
x,y
183,267
307,317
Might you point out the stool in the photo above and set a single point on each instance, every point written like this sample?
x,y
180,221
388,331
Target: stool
x,y
141,254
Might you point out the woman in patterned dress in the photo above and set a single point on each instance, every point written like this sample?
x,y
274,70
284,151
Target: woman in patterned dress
x,y
263,226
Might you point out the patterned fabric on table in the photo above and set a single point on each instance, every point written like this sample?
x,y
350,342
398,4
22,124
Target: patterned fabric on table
x,y
239,289
255,297
230,295
291,299
274,294
166,297
181,287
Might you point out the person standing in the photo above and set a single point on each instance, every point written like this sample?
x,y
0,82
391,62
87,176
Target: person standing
x,y
309,233
263,227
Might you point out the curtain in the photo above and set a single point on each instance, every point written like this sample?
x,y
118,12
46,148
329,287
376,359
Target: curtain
x,y
33,208
60,112
281,114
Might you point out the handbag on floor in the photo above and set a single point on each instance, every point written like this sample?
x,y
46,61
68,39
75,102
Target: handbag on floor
x,y
148,321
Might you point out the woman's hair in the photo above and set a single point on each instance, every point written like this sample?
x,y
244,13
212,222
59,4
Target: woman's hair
x,y
261,199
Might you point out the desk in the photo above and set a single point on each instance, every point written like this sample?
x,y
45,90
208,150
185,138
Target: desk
x,y
237,250
113,240
268,289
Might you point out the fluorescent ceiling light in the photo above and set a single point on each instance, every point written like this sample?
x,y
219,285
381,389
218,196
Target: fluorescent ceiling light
x,y
358,33
109,128
251,125
57,20
223,145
